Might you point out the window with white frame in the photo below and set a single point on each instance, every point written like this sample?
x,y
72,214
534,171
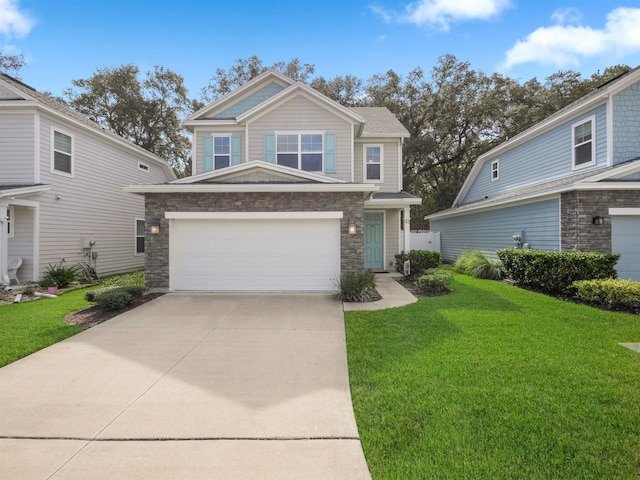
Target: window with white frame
x,y
11,218
300,150
221,152
373,163
495,170
582,141
62,153
139,237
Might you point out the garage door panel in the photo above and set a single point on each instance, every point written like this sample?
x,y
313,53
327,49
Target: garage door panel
x,y
625,240
267,255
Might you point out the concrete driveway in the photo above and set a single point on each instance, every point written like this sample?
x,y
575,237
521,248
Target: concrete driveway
x,y
188,386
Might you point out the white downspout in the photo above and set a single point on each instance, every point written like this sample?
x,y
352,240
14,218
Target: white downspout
x,y
407,229
4,248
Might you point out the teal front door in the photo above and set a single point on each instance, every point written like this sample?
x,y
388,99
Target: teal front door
x,y
373,244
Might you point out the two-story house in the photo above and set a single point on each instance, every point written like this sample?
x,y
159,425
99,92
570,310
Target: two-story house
x,y
289,189
61,180
569,183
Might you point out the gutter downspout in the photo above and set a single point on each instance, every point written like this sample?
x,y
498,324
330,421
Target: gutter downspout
x,y
4,248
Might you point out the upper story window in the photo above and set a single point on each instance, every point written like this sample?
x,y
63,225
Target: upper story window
x,y
584,152
303,151
62,153
139,237
495,170
373,163
221,152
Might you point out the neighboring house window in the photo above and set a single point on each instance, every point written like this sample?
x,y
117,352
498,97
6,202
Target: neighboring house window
x,y
373,163
143,166
10,218
300,150
62,153
495,170
583,147
221,152
139,236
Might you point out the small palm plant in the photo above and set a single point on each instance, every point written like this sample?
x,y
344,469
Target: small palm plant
x,y
475,264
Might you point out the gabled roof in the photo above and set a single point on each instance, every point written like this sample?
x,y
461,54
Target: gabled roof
x,y
610,178
284,174
380,122
580,106
27,96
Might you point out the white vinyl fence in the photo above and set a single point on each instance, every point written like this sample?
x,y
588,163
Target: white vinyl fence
x,y
425,240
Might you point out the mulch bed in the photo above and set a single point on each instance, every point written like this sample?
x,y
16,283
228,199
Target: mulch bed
x,y
92,316
416,292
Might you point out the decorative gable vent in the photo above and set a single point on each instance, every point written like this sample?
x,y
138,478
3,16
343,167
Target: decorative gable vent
x,y
143,166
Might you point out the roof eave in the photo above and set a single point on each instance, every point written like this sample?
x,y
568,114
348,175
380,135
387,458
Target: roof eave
x,y
251,187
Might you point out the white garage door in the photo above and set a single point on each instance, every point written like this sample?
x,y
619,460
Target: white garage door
x,y
254,254
625,240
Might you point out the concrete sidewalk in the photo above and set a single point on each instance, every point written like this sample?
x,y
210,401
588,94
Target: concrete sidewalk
x,y
188,386
393,295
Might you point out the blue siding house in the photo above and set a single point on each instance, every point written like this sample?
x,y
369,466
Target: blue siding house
x,y
569,183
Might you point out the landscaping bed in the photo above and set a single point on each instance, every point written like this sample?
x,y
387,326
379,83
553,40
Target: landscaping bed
x,y
95,315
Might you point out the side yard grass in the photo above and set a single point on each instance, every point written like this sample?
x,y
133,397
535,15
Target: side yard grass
x,y
496,382
28,327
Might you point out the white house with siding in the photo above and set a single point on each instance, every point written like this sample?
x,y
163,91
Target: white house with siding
x,y
569,183
61,180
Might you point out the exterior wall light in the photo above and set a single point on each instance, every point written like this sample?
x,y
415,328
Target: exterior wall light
x,y
597,220
352,226
155,226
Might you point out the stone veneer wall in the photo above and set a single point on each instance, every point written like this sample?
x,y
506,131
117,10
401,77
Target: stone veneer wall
x,y
156,204
577,210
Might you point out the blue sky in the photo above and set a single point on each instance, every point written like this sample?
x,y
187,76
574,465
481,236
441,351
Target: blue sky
x,y
68,39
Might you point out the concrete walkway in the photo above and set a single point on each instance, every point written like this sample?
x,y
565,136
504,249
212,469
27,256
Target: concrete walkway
x,y
198,386
393,295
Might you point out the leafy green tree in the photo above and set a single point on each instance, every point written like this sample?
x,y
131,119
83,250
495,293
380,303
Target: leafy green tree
x,y
225,81
347,90
146,111
11,64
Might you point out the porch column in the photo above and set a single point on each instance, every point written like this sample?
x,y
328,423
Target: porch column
x,y
407,229
4,248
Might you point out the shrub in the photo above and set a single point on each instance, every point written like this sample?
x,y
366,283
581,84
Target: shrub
x,y
59,275
114,298
356,286
420,260
475,264
555,272
609,292
434,281
124,280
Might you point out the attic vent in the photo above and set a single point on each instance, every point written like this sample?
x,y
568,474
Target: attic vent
x,y
143,166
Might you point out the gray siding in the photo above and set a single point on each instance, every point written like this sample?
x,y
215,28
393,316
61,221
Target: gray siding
x,y
16,148
625,231
250,101
543,159
492,230
21,245
389,162
92,202
301,115
626,124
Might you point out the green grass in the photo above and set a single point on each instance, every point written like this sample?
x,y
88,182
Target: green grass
x,y
31,326
495,382
28,327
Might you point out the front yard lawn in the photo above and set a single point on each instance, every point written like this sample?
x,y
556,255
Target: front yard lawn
x,y
496,382
28,327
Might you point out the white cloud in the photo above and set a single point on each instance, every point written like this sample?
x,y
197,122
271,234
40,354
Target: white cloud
x,y
439,14
13,22
566,15
565,45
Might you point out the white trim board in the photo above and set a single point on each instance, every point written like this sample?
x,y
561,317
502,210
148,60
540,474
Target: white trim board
x,y
624,211
253,215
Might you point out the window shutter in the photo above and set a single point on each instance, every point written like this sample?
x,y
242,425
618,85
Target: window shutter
x,y
235,149
269,148
329,153
208,154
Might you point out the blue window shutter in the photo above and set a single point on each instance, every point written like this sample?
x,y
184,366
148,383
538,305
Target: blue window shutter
x,y
235,149
329,153
208,154
269,148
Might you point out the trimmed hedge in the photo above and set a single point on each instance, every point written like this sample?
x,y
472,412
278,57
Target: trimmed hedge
x,y
434,281
114,298
609,292
555,272
420,260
